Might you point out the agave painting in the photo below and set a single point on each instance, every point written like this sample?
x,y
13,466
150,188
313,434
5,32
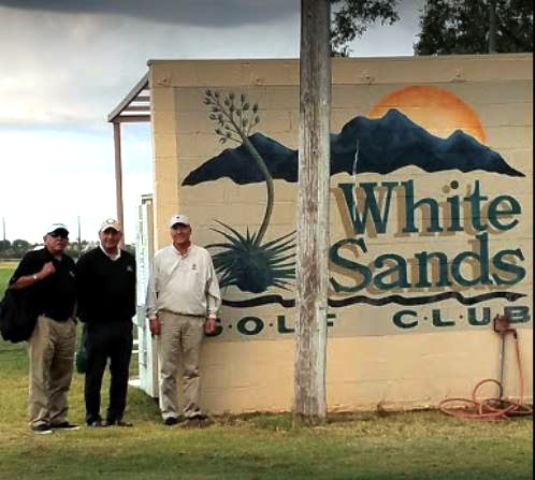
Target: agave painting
x,y
245,260
251,266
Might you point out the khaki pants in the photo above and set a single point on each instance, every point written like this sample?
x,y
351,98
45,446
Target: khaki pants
x,y
180,339
51,351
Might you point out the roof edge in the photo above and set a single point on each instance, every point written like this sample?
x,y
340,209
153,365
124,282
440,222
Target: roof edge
x,y
139,86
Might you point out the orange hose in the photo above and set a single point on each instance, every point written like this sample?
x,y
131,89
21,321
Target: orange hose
x,y
489,409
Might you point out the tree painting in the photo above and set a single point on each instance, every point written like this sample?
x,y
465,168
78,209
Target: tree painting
x,y
245,261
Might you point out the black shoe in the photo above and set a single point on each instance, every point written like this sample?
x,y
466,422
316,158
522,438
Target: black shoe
x,y
170,421
64,426
95,424
198,421
118,423
199,416
41,429
122,423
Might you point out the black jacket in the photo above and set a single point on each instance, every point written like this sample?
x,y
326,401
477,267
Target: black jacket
x,y
55,295
106,289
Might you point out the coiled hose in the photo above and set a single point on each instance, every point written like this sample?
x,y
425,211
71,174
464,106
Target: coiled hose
x,y
491,409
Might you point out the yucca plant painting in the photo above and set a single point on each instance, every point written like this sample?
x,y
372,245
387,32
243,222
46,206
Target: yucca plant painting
x,y
245,260
254,267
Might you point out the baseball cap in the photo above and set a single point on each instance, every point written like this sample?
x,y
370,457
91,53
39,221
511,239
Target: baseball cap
x,y
110,223
57,228
179,219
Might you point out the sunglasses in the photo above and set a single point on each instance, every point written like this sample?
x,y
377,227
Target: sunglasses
x,y
59,235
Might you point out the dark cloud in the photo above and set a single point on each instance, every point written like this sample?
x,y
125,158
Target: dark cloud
x,y
204,13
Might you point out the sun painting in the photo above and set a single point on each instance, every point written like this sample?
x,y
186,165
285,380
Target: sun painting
x,y
437,110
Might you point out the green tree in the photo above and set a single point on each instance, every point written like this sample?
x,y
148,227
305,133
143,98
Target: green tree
x,y
462,26
4,245
6,249
20,247
351,18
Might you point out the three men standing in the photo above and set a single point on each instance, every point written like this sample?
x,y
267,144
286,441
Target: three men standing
x,y
48,276
106,284
182,302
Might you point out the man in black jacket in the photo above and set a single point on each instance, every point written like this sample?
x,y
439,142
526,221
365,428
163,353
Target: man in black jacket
x,y
106,286
47,278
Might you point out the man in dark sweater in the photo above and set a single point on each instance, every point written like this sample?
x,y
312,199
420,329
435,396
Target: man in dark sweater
x,y
106,286
47,278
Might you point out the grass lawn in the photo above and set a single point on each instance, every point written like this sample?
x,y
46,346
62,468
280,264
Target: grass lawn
x,y
6,270
369,445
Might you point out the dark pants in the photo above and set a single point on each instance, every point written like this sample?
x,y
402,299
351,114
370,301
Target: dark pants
x,y
111,340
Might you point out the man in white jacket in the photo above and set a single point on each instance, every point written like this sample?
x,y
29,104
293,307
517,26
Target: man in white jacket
x,y
182,303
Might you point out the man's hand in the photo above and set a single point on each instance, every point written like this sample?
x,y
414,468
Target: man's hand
x,y
210,325
155,326
28,280
48,269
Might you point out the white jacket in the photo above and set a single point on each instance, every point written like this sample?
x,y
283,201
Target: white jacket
x,y
183,284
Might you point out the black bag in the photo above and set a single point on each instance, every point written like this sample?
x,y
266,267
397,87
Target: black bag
x,y
17,318
80,357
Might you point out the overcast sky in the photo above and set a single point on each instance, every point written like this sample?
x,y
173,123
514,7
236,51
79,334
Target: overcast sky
x,y
67,63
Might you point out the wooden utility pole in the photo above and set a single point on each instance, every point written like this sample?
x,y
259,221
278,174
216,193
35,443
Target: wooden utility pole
x,y
313,213
79,236
492,26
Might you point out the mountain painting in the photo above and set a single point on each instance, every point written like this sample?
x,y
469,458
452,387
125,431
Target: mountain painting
x,y
385,145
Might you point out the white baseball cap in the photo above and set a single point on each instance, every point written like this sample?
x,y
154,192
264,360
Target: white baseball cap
x,y
56,228
110,223
179,219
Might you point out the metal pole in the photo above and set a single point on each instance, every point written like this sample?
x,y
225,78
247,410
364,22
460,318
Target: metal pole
x,y
118,175
313,213
502,364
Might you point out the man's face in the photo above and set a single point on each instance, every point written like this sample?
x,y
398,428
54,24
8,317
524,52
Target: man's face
x,y
56,241
180,234
109,239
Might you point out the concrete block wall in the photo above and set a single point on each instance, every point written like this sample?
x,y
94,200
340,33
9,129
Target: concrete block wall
x,y
376,354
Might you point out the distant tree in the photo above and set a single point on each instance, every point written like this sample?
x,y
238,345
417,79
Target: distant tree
x,y
463,26
131,248
77,249
4,245
352,18
6,249
20,247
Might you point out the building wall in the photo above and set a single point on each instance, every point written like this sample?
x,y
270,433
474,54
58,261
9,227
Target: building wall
x,y
413,289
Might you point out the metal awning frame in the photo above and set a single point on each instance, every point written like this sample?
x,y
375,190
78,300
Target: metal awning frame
x,y
135,107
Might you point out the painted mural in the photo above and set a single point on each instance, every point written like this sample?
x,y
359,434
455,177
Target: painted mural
x,y
245,261
398,132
